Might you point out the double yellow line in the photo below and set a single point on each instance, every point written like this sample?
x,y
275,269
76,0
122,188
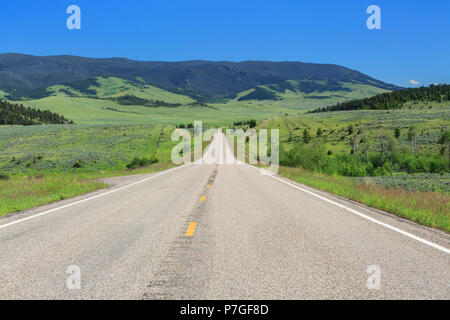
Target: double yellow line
x,y
193,225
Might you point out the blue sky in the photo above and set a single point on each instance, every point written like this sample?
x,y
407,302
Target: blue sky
x,y
413,44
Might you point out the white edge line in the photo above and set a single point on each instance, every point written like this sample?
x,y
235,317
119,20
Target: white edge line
x,y
407,234
91,198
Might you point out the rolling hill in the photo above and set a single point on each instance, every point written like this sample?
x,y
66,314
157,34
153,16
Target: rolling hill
x,y
26,77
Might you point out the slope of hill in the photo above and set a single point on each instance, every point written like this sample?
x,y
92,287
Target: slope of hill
x,y
27,77
395,100
15,114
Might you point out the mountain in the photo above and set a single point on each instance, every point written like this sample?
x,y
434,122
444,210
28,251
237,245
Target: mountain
x,y
27,77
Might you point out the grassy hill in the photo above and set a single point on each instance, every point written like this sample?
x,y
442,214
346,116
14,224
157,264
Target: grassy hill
x,y
396,99
307,95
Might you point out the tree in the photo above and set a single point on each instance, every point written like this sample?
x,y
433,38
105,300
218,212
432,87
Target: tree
x,y
319,132
366,144
391,146
306,136
397,133
444,140
412,137
381,139
350,130
354,142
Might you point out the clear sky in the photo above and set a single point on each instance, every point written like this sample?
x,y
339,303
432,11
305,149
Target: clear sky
x,y
413,44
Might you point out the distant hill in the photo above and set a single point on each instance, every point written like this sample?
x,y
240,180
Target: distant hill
x,y
15,114
395,99
28,77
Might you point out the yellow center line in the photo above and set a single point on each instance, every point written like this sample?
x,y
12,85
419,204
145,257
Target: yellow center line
x,y
191,229
202,199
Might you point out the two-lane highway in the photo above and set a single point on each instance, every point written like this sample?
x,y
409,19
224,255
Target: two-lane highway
x,y
212,231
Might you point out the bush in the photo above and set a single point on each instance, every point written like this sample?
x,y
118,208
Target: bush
x,y
78,164
141,162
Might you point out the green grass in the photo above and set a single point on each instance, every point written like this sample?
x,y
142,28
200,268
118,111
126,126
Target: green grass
x,y
427,208
27,192
56,148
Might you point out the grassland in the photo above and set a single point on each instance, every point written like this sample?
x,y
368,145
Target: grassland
x,y
80,148
429,124
42,164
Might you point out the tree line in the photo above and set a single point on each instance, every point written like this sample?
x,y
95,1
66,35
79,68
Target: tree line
x,y
18,114
394,99
130,100
251,123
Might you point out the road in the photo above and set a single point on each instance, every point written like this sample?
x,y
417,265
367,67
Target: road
x,y
217,231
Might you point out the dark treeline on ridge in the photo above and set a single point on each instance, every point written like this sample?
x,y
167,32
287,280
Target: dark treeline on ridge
x,y
394,99
130,100
17,114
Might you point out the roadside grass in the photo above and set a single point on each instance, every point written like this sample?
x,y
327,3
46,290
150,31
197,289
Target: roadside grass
x,y
19,194
25,192
427,208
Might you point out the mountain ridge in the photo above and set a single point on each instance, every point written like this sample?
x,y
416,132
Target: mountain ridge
x,y
27,76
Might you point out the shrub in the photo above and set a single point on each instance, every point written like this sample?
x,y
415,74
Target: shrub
x,y
78,164
141,162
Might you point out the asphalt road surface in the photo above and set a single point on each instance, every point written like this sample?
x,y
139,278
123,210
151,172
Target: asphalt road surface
x,y
217,231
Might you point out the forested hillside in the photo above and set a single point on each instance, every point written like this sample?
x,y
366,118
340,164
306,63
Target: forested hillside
x,y
394,99
15,114
24,77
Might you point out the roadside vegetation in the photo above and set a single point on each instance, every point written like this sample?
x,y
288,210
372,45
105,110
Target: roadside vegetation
x,y
393,160
42,164
425,207
26,192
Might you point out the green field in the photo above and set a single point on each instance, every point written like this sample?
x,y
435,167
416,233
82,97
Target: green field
x,y
80,148
429,124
